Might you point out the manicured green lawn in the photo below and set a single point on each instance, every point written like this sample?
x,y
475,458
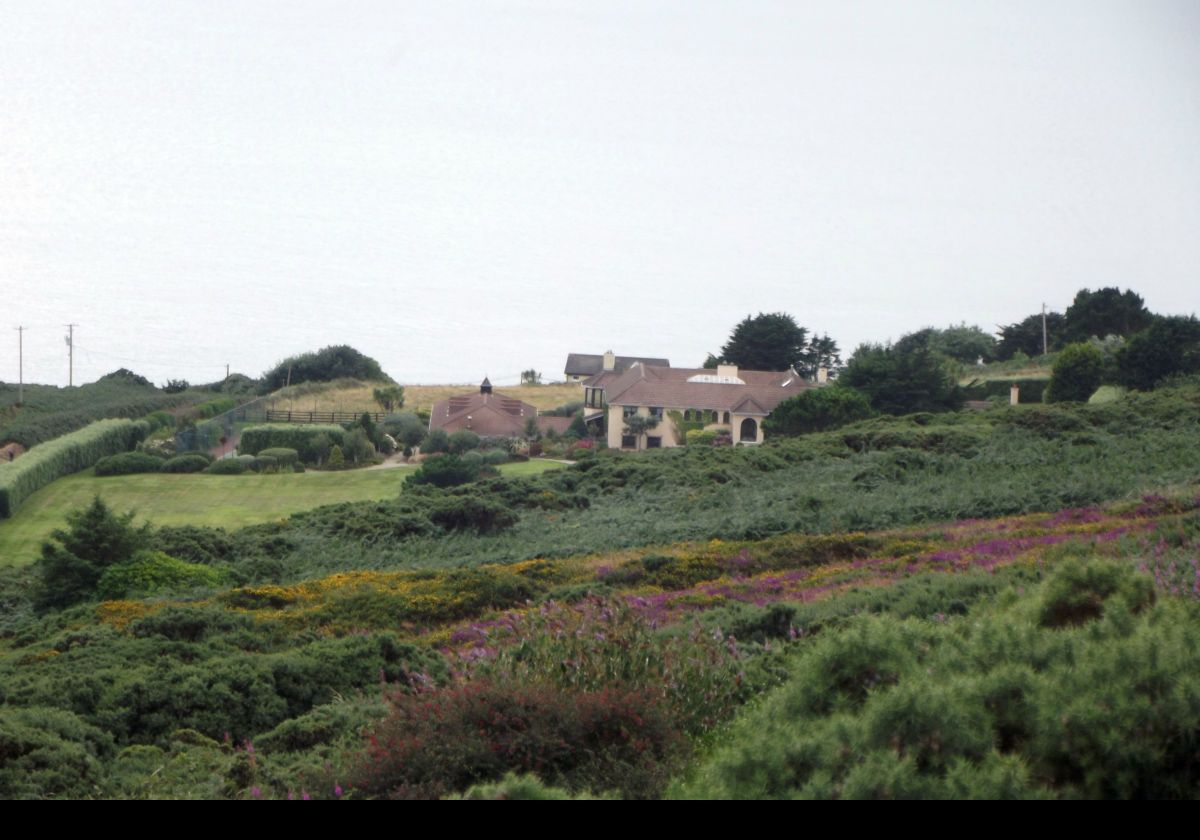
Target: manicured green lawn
x,y
228,501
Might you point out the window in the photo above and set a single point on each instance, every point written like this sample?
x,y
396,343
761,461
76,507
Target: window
x,y
628,442
629,411
656,412
653,442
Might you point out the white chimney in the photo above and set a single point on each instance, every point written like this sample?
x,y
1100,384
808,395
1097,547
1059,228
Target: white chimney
x,y
727,371
610,360
822,375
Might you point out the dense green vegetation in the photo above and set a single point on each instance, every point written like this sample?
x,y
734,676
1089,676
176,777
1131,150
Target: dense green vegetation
x,y
68,454
325,365
228,502
49,412
593,626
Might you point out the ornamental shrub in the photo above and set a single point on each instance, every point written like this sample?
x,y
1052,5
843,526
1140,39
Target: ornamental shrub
x,y
283,455
128,463
226,466
188,462
446,471
312,443
462,441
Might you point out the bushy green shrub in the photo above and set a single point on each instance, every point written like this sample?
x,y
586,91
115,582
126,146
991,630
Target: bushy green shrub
x,y
1078,592
436,441
357,447
462,441
189,462
47,753
150,573
1077,374
445,471
71,565
460,513
1082,689
63,456
227,466
306,440
220,405
818,410
283,455
325,365
128,463
160,420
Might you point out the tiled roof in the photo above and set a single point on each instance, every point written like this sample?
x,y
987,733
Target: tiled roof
x,y
646,385
585,364
484,414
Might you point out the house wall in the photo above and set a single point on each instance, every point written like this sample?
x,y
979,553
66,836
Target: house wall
x,y
666,428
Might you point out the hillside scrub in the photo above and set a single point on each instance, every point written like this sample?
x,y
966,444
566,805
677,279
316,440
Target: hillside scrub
x,y
999,705
49,412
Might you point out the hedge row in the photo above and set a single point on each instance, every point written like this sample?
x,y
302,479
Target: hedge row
x,y
41,429
63,456
281,435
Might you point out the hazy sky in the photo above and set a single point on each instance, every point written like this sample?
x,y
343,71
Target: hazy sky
x,y
461,188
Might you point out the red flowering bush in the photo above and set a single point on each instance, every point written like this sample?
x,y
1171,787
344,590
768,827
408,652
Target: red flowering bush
x,y
443,741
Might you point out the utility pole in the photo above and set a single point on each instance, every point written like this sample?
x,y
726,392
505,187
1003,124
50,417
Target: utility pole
x,y
71,354
20,365
227,371
1045,343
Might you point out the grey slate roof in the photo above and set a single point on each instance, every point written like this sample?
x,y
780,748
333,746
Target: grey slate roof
x,y
586,364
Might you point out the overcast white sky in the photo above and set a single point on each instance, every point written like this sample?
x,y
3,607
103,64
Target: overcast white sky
x,y
461,188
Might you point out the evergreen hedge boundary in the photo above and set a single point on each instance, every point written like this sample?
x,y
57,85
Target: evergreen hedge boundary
x,y
65,455
281,435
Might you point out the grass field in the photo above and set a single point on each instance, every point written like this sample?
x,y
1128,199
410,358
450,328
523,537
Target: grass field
x,y
217,500
358,397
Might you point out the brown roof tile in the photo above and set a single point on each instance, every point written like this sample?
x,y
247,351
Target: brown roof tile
x,y
759,393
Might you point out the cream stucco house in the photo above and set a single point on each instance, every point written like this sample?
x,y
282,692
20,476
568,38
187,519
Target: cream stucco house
x,y
725,399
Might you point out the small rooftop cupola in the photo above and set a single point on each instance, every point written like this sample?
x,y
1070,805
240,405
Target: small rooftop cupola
x,y
485,387
610,360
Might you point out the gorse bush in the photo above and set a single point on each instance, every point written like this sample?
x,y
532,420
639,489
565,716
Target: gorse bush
x,y
1049,694
150,573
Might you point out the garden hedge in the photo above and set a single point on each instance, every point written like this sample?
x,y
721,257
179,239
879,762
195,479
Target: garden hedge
x,y
68,454
276,435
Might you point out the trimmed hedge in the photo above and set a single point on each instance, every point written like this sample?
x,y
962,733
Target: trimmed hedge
x,y
226,466
188,462
128,463
283,455
63,456
279,435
